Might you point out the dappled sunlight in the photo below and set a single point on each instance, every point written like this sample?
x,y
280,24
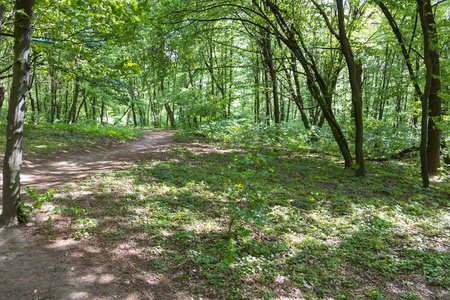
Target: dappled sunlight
x,y
160,229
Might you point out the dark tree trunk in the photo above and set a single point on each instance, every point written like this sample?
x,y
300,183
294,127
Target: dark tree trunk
x,y
2,95
102,111
434,100
73,108
355,74
268,58
298,95
267,96
257,95
38,103
52,95
425,96
134,115
170,116
16,112
94,111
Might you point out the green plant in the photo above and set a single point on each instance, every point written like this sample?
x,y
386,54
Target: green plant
x,y
24,210
247,202
73,213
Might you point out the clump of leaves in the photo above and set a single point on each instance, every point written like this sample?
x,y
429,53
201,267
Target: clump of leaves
x,y
24,210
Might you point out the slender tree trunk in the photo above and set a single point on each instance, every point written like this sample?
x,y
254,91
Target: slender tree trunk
x,y
298,95
355,74
16,112
66,104
257,95
52,95
268,57
85,102
81,105
102,111
38,103
2,95
73,108
267,94
134,115
94,111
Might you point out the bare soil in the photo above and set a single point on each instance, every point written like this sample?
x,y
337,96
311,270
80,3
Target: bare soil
x,y
32,266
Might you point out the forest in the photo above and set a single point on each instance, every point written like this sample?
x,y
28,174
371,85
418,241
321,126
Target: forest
x,y
231,149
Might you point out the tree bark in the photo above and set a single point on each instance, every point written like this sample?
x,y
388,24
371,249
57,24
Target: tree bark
x,y
425,96
355,74
53,91
170,115
298,99
434,100
2,95
73,108
16,112
268,58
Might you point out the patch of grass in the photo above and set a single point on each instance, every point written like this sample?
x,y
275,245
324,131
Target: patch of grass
x,y
45,138
331,236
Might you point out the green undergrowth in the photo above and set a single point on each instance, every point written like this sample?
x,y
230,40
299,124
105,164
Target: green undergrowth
x,y
44,138
382,138
330,235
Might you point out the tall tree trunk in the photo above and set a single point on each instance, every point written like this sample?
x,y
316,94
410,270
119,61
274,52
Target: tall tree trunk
x,y
268,57
355,74
431,56
298,95
52,95
267,95
257,95
16,111
425,96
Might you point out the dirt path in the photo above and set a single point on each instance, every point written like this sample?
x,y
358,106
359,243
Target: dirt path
x,y
68,167
34,269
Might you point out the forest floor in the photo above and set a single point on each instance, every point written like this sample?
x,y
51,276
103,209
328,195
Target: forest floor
x,y
38,267
159,211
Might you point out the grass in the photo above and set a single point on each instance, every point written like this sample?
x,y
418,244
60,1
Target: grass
x,y
44,138
331,235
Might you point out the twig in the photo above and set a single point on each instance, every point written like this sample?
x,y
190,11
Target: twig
x,y
445,244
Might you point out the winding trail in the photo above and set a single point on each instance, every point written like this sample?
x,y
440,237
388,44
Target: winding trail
x,y
31,268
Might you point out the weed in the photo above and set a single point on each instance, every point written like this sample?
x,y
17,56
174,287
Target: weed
x,y
24,210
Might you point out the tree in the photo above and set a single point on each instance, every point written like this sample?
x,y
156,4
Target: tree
x,y
429,97
16,111
432,85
